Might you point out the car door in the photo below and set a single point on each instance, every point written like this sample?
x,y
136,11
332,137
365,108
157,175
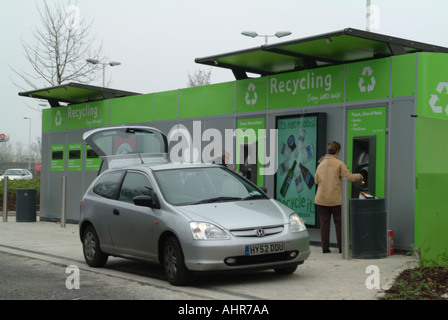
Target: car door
x,y
131,226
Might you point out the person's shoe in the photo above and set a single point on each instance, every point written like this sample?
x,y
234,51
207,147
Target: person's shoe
x,y
326,251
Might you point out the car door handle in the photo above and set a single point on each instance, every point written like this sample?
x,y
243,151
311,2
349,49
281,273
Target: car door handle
x,y
116,212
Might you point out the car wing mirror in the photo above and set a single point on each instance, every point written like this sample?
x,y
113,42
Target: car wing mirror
x,y
147,201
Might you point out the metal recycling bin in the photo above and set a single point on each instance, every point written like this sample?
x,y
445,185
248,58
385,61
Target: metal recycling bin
x,y
368,228
26,200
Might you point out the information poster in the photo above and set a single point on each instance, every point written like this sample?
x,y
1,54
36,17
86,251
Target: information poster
x,y
301,142
92,160
74,161
368,122
249,147
57,157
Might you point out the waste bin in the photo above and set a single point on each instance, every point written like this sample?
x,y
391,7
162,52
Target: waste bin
x,y
26,205
368,228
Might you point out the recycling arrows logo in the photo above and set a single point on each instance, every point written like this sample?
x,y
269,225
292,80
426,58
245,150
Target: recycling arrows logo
x,y
251,95
435,98
367,72
58,119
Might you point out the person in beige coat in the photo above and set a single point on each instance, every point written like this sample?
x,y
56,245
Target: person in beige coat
x,y
328,195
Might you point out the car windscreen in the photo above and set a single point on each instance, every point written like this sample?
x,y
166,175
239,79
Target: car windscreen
x,y
190,186
13,172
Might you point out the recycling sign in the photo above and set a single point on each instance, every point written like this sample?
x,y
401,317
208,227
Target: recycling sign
x,y
251,95
58,119
435,99
367,81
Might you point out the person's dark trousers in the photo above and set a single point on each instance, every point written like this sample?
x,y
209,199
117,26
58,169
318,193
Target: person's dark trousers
x,y
325,218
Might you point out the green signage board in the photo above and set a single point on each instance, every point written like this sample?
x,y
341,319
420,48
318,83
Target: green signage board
x,y
251,95
57,157
369,122
92,161
306,88
74,160
367,80
87,115
299,147
58,119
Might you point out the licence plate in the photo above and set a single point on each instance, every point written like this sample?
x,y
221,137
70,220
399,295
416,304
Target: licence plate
x,y
266,248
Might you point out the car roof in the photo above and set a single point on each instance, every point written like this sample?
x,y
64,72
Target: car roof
x,y
172,166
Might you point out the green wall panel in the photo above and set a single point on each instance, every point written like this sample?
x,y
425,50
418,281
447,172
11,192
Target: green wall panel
x,y
166,105
432,92
216,99
133,109
46,117
431,211
403,75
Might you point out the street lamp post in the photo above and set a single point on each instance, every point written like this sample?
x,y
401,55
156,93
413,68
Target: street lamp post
x,y
278,34
111,63
29,144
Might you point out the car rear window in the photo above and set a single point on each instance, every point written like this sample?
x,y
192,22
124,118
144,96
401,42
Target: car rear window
x,y
107,185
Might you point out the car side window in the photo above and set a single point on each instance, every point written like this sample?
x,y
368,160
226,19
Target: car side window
x,y
134,184
107,184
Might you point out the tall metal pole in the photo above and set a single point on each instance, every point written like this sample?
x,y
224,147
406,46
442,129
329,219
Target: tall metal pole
x,y
368,15
345,184
5,199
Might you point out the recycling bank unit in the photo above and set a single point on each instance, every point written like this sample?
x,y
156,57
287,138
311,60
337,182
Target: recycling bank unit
x,y
385,99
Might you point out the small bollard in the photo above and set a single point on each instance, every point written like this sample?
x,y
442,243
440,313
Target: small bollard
x,y
5,199
64,185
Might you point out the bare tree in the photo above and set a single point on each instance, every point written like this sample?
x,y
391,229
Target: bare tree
x,y
62,46
199,78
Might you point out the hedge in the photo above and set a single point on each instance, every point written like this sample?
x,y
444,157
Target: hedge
x,y
13,185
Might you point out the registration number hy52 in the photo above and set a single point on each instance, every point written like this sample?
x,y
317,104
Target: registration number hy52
x,y
266,248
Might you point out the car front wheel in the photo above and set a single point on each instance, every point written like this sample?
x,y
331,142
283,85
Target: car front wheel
x,y
173,263
91,248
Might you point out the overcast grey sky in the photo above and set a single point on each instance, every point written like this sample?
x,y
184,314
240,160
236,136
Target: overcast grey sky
x,y
157,40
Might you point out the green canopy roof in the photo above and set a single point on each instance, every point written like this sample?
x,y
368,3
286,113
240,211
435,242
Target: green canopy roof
x,y
348,45
74,93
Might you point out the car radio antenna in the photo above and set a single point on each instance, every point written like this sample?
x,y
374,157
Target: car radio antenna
x,y
140,158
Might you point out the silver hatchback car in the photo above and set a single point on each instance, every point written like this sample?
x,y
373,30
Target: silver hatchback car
x,y
187,217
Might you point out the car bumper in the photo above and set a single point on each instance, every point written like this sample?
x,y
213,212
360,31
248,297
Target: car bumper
x,y
227,255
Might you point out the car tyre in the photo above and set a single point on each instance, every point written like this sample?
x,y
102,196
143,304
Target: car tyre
x,y
286,270
173,263
91,248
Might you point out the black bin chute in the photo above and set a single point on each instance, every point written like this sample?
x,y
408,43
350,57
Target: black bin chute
x,y
26,200
368,228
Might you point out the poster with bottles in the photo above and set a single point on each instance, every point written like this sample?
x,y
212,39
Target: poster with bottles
x,y
301,142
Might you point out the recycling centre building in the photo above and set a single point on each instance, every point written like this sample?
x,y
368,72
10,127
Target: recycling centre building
x,y
384,99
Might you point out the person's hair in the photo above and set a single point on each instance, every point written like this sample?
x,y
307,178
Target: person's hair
x,y
333,147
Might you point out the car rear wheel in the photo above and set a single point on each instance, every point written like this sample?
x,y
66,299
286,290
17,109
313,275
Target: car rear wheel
x,y
173,263
91,248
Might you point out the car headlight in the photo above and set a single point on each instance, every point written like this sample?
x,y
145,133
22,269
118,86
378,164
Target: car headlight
x,y
296,223
207,231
